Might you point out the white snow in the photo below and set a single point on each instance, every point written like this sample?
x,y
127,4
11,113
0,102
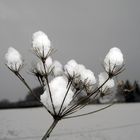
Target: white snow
x,y
13,58
119,122
88,77
71,68
57,68
41,43
113,58
58,87
83,74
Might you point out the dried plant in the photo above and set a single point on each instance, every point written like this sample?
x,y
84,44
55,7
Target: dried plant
x,y
62,94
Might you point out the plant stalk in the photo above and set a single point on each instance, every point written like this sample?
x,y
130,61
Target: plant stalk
x,y
47,135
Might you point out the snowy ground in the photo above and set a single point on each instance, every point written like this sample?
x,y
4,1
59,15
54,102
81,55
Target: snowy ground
x,y
119,122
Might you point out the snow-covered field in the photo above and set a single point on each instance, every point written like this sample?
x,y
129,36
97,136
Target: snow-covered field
x,y
119,122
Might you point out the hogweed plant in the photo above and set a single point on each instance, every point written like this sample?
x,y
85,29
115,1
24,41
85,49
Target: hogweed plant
x,y
68,88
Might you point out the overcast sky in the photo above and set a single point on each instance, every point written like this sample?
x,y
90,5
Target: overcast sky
x,y
80,29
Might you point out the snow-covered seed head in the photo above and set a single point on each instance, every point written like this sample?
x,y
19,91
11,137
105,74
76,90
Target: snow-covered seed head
x,y
87,77
113,60
14,59
109,84
57,68
58,87
80,69
71,68
41,44
48,66
81,75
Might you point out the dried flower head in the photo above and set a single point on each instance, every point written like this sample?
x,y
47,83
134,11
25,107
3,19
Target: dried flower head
x,y
113,61
41,44
57,68
14,59
71,68
87,77
48,66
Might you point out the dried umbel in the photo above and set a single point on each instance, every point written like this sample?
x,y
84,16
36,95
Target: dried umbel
x,y
13,59
67,88
41,45
114,62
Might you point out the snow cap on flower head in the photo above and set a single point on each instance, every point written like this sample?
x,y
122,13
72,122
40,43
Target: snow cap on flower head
x,y
41,44
14,59
57,68
113,60
88,77
58,88
71,68
82,74
80,68
48,65
102,78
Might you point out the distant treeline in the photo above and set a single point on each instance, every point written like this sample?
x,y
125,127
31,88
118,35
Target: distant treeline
x,y
29,101
126,92
4,104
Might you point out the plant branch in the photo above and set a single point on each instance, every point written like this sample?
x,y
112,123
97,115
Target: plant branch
x,y
65,97
47,81
92,112
85,99
31,92
79,107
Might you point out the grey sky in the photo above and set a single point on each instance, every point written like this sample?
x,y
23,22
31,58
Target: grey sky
x,y
81,29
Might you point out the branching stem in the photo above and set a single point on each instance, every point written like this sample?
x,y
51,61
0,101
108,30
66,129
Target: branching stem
x,y
65,97
47,81
92,112
31,92
85,99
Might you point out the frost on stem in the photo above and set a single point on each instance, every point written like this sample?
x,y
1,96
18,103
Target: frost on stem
x,y
58,88
14,59
114,62
41,45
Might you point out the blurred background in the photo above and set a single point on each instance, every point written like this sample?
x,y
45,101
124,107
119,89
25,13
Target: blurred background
x,y
83,30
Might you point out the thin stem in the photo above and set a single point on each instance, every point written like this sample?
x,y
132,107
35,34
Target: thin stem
x,y
85,99
47,81
47,134
31,92
92,112
65,97
79,107
76,92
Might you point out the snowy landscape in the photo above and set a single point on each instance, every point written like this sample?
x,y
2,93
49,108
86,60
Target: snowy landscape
x,y
63,61
119,122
